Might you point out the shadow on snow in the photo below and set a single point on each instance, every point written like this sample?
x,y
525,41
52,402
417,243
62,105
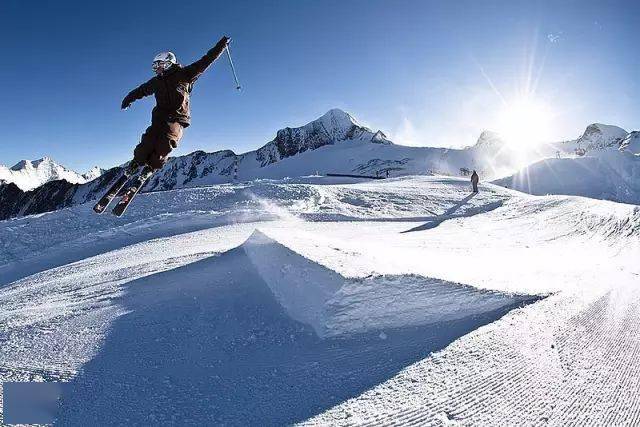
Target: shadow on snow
x,y
433,222
207,343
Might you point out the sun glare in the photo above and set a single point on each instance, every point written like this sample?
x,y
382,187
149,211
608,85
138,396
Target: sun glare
x,y
525,123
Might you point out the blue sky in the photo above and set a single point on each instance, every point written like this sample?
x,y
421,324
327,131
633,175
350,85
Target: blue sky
x,y
425,72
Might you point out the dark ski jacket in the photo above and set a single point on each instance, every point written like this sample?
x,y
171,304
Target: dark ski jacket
x,y
474,178
173,89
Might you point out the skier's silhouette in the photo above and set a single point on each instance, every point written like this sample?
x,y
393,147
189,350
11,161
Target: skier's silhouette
x,y
474,181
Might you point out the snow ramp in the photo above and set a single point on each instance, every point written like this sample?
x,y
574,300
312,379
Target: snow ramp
x,y
260,335
334,305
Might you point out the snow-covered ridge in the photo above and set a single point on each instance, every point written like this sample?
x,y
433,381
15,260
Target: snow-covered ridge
x,y
598,136
595,138
337,143
27,174
608,175
93,173
333,143
603,163
334,126
490,156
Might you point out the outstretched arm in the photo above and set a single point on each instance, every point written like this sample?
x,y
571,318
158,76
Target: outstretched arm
x,y
145,89
192,72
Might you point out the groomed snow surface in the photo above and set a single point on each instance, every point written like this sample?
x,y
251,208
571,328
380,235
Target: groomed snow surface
x,y
403,301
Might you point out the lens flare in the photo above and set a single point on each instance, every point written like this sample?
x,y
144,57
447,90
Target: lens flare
x,y
525,124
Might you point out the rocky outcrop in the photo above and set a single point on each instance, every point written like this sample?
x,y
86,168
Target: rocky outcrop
x,y
335,126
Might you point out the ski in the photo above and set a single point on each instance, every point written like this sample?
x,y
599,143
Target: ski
x,y
132,191
113,191
110,194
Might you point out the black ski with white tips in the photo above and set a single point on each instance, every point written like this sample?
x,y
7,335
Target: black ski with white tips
x,y
113,191
110,194
136,184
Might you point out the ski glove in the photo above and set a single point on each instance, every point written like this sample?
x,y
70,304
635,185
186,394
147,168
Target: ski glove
x,y
224,41
125,103
191,72
221,45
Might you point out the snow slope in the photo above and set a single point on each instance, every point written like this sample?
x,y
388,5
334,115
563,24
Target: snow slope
x,y
28,175
596,136
609,169
607,174
631,143
407,300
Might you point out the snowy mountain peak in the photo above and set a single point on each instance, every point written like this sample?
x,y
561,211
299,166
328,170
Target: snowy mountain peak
x,y
22,164
489,139
30,174
332,127
336,124
337,118
93,173
44,162
599,136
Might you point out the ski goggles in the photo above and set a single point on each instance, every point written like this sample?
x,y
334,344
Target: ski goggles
x,y
161,65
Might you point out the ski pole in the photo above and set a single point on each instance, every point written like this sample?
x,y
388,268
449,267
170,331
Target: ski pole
x,y
233,69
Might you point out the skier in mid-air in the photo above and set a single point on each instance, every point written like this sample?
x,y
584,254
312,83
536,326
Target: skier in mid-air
x,y
172,87
474,181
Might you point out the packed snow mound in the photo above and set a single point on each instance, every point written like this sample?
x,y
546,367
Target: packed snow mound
x,y
179,329
631,143
335,305
392,302
301,286
608,175
27,174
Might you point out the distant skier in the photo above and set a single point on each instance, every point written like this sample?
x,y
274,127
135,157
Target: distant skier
x,y
474,181
172,87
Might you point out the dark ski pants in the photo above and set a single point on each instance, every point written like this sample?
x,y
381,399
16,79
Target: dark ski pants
x,y
156,143
475,187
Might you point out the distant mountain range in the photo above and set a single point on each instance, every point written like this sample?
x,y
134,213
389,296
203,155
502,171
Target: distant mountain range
x,y
28,175
334,143
608,169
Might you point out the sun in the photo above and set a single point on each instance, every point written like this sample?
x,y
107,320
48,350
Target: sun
x,y
525,123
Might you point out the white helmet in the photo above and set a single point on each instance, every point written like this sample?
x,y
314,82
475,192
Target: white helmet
x,y
163,61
